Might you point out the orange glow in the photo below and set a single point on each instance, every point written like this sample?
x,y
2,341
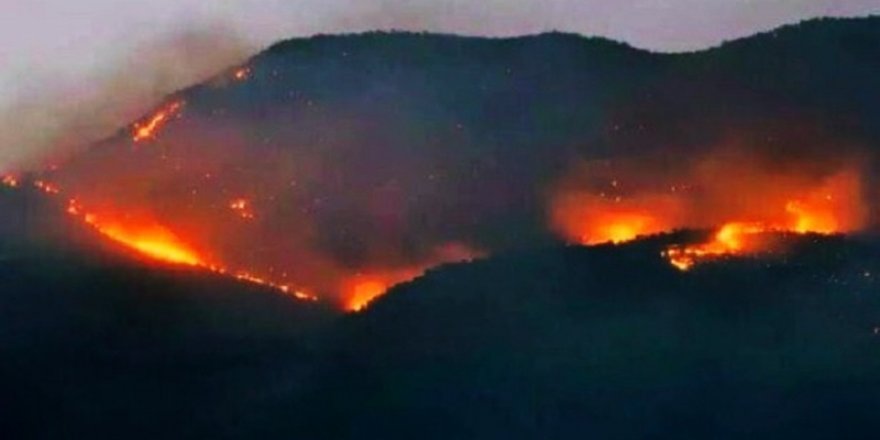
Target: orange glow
x,y
159,243
832,207
46,187
590,219
732,238
622,227
242,73
151,240
10,181
811,221
300,295
738,195
155,241
148,130
73,207
363,291
242,208
147,237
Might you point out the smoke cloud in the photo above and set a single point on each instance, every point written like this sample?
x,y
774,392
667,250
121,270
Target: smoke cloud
x,y
54,115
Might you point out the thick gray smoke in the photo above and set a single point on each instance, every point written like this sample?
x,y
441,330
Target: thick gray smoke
x,y
53,116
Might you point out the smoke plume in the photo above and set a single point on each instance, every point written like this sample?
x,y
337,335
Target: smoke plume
x,y
64,112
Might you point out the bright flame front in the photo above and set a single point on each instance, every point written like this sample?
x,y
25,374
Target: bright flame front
x,y
148,130
151,240
831,208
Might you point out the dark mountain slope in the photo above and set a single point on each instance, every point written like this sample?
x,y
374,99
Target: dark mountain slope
x,y
607,341
370,152
96,343
367,152
611,342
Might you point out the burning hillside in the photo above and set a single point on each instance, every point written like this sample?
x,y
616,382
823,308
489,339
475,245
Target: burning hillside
x,y
184,265
339,166
741,191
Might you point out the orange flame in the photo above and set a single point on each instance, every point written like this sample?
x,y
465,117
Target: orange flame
x,y
731,239
593,219
149,239
363,291
155,241
833,207
148,130
740,195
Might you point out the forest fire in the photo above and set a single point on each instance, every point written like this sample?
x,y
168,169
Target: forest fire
x,y
731,239
147,130
593,219
152,240
146,236
329,207
834,206
741,204
362,292
361,289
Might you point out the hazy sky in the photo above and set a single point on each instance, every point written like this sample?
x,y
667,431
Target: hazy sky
x,y
79,34
44,42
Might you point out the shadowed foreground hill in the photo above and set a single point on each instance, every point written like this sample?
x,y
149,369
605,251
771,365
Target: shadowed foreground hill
x,y
611,342
606,342
96,344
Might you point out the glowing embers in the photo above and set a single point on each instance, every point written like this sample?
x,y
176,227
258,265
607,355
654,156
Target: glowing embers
x,y
254,279
242,208
46,187
10,181
147,130
241,73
